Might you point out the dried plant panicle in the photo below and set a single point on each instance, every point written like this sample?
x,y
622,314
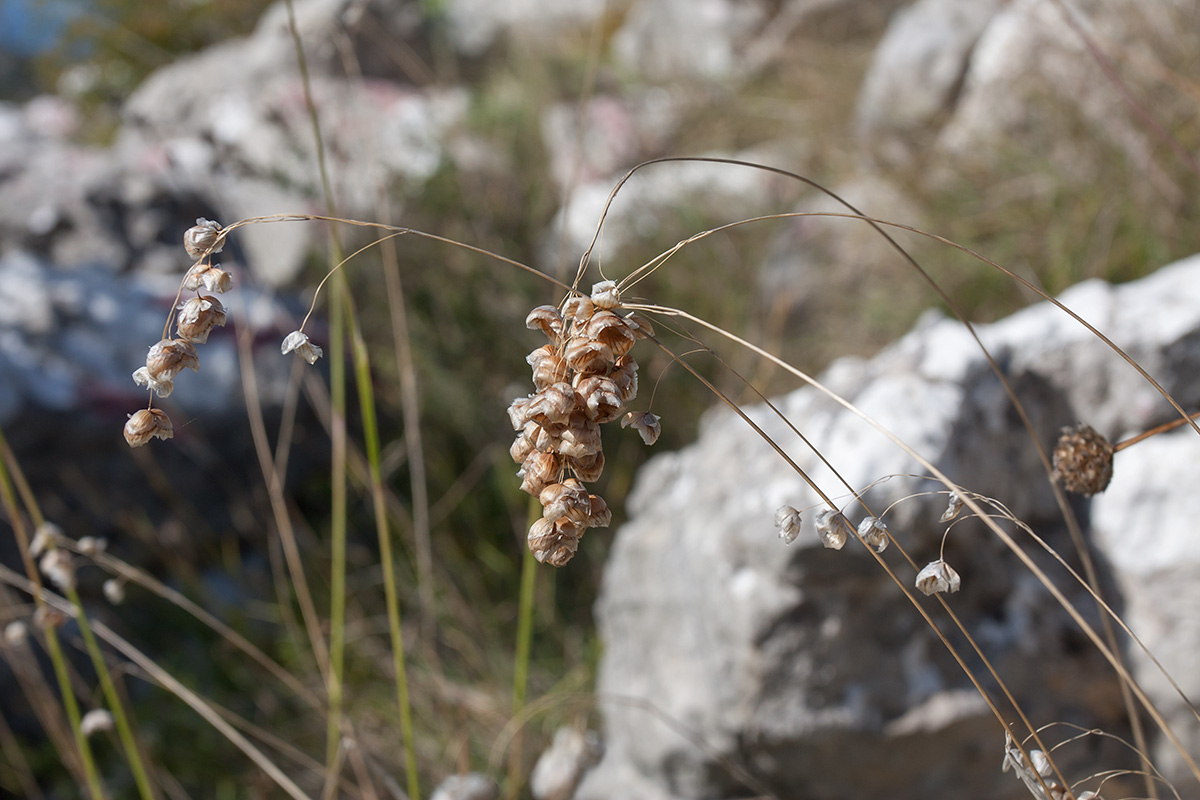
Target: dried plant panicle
x,y
583,378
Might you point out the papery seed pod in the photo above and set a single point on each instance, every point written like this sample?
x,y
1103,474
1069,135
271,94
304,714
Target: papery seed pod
x,y
646,424
954,504
874,532
203,235
579,308
169,357
96,721
586,355
147,424
518,412
640,326
610,330
605,295
548,438
549,367
581,437
625,375
553,405
161,386
787,520
298,342
47,534
588,468
938,576
198,316
601,516
192,280
602,398
833,528
1083,460
216,280
554,543
114,591
566,500
58,566
538,471
547,320
521,447
49,617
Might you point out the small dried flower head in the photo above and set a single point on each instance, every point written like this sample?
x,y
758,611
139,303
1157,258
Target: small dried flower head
x,y
552,405
588,468
521,447
160,386
198,316
580,438
549,367
47,534
169,357
147,424
646,424
953,506
588,355
210,276
833,528
554,543
579,308
611,331
299,342
49,617
518,412
640,326
114,591
874,532
96,721
15,633
547,320
567,500
1083,460
938,576
602,398
198,239
538,471
91,545
787,520
605,295
601,516
625,374
59,568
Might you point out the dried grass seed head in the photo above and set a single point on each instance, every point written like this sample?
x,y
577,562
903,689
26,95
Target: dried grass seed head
x,y
588,468
640,326
538,471
147,424
553,405
612,332
521,447
1083,460
169,357
298,342
647,425
547,320
579,308
198,316
833,528
567,500
163,387
601,516
581,437
625,375
787,520
554,543
549,367
874,532
605,295
208,276
602,398
201,238
938,576
587,355
954,505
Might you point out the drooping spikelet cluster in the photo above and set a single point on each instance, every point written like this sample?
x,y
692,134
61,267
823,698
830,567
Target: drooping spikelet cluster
x,y
192,320
584,378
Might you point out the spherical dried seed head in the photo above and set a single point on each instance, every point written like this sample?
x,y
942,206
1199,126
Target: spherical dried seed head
x,y
59,568
938,576
198,316
198,239
581,437
954,505
833,528
169,357
588,468
161,386
1083,460
216,280
547,320
521,447
610,330
298,342
554,543
518,412
95,721
567,500
601,516
787,520
579,308
640,326
874,532
625,375
147,424
538,471
587,355
552,405
549,367
602,397
605,295
646,424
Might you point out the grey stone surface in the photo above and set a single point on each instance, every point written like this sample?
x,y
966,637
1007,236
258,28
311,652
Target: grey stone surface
x,y
807,667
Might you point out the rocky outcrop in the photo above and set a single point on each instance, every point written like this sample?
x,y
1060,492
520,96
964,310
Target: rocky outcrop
x,y
729,654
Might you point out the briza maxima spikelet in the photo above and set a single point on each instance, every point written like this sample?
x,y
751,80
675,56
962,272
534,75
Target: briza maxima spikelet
x,y
201,239
874,532
298,343
833,528
147,424
197,317
938,576
787,520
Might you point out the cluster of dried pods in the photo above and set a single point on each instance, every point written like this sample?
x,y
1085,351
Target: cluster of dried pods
x,y
584,378
192,320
